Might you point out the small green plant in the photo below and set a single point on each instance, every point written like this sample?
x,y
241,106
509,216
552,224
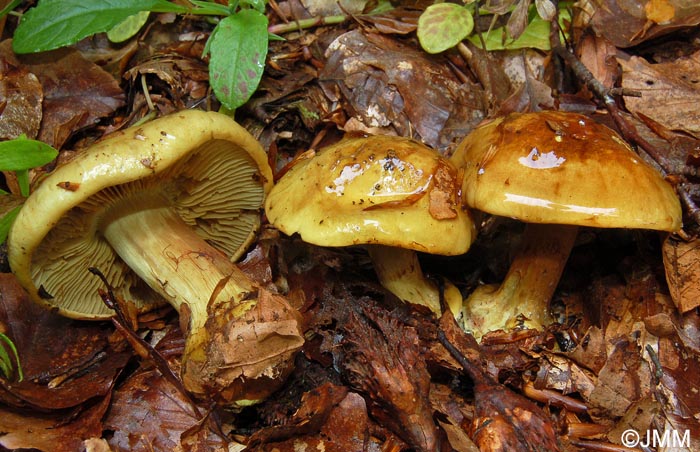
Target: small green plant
x,y
444,25
20,155
10,366
237,46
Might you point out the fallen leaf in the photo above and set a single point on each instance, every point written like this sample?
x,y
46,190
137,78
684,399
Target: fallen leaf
x,y
659,11
381,358
60,432
21,96
184,76
77,93
503,420
248,356
391,85
625,23
316,407
345,427
148,413
625,379
598,55
670,91
682,264
399,20
65,362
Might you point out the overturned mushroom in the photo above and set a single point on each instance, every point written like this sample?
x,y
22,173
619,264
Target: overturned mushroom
x,y
161,210
555,171
394,195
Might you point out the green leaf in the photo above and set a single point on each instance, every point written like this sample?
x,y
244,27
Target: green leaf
x,y
258,5
238,49
23,154
57,23
6,222
10,6
443,25
128,27
23,181
5,364
206,8
6,361
535,36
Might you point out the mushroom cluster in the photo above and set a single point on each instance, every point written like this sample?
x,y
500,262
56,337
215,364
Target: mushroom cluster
x,y
393,195
555,171
163,210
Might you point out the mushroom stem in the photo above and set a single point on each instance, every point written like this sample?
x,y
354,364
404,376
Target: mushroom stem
x,y
240,338
523,297
399,271
175,262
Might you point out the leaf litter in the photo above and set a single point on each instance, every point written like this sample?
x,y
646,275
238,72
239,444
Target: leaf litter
x,y
376,374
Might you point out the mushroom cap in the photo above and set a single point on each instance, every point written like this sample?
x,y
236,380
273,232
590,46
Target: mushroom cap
x,y
204,165
563,168
373,190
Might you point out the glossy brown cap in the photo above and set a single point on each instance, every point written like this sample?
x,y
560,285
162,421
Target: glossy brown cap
x,y
564,168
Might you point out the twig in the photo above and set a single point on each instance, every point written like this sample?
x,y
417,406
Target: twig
x,y
302,24
141,346
690,205
659,372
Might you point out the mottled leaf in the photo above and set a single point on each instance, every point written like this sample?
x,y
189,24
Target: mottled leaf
x,y
443,25
238,49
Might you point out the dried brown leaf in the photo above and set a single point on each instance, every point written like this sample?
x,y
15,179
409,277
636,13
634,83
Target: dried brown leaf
x,y
670,91
591,352
246,357
316,406
682,264
400,20
60,432
77,92
388,84
564,375
624,379
598,55
383,360
638,417
346,427
627,22
679,379
517,22
325,8
21,96
185,77
65,363
148,413
503,420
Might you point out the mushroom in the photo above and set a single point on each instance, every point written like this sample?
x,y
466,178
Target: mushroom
x,y
555,171
393,195
162,210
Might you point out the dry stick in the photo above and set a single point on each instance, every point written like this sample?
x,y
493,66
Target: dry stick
x,y
302,24
605,95
139,345
123,326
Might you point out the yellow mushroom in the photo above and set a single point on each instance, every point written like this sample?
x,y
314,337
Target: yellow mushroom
x,y
162,210
393,195
554,171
